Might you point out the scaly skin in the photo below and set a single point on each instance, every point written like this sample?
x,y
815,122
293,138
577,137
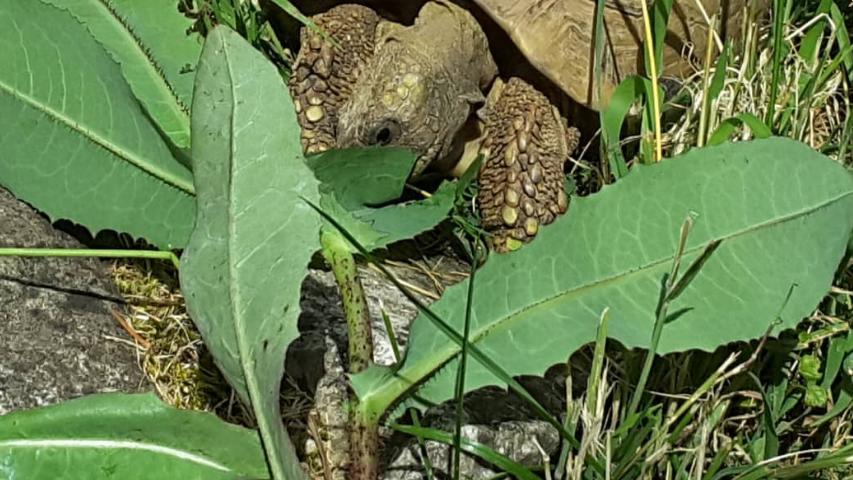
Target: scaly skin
x,y
525,146
421,85
417,90
323,76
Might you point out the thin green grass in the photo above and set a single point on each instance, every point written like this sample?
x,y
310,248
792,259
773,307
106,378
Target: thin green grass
x,y
800,90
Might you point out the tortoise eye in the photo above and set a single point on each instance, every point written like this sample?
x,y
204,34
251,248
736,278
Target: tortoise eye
x,y
388,131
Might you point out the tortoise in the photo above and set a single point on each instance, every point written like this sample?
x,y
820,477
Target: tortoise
x,y
432,85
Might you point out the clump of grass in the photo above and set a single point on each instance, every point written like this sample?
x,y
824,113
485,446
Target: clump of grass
x,y
801,91
169,346
171,351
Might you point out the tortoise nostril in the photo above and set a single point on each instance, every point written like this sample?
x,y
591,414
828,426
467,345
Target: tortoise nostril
x,y
383,136
385,133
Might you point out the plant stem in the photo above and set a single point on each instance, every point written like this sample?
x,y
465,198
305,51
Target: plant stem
x,y
364,447
364,432
463,361
88,252
779,13
650,51
336,252
705,115
371,406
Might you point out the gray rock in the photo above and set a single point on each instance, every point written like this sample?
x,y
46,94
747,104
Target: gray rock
x,y
322,316
55,321
524,442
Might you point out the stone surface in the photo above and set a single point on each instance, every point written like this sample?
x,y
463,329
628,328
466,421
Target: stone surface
x,y
323,316
57,336
525,442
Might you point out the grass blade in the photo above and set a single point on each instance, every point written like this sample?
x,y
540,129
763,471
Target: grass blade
x,y
729,125
474,448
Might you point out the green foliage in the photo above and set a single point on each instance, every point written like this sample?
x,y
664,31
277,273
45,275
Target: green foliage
x,y
781,14
355,183
133,437
475,448
613,118
254,235
728,127
764,200
148,39
805,72
75,142
661,10
107,150
361,177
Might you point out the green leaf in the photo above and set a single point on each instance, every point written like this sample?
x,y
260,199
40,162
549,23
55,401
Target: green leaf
x,y
254,235
355,180
769,439
810,368
74,141
157,57
363,176
730,125
660,20
765,200
810,45
613,117
718,81
838,349
842,36
816,396
112,436
399,222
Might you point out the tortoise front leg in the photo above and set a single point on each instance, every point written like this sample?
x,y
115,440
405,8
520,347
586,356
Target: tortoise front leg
x,y
323,74
525,146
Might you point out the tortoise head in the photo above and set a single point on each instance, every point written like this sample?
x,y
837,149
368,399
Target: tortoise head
x,y
420,86
405,100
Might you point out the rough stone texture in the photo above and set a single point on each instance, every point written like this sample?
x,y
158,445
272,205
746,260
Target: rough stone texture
x,y
322,316
527,443
329,421
55,319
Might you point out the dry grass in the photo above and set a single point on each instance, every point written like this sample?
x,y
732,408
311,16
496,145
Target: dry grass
x,y
170,347
818,119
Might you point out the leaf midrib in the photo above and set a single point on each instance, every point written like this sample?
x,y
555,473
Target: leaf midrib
x,y
154,70
111,444
442,357
244,345
95,138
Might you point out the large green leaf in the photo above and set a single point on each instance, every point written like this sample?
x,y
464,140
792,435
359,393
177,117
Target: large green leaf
x,y
355,182
403,221
363,176
74,141
784,214
149,40
128,437
254,235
